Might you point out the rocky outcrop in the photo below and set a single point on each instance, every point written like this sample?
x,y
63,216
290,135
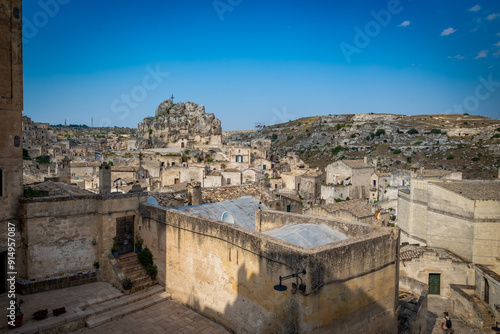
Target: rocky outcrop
x,y
179,125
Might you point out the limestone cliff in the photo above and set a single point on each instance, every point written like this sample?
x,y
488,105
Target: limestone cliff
x,y
179,125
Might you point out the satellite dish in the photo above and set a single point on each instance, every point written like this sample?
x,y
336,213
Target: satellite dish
x,y
227,217
152,200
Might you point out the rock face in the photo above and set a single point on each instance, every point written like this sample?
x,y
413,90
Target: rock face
x,y
180,125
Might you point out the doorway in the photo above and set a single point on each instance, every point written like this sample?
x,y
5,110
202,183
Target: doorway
x,y
434,284
125,234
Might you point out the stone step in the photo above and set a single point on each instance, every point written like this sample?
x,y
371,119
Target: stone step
x,y
100,311
143,285
109,303
125,309
136,273
123,259
131,268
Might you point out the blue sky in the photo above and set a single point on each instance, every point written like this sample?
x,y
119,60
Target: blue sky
x,y
259,61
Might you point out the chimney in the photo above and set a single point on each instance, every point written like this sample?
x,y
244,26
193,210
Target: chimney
x,y
65,171
105,178
194,193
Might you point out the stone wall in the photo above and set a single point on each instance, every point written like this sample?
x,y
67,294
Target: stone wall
x,y
418,323
430,262
227,273
433,215
318,211
329,193
464,305
67,234
485,275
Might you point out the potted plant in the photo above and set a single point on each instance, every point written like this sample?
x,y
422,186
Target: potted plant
x,y
127,284
40,314
138,244
114,249
18,314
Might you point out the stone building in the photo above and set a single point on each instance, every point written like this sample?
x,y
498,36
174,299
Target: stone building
x,y
341,290
310,184
355,172
11,146
461,216
353,210
37,136
180,125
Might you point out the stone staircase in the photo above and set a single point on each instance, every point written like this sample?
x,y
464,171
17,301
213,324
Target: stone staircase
x,y
109,310
133,269
488,319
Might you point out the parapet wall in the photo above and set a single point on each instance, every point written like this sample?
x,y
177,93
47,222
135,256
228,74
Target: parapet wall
x,y
418,323
227,273
68,234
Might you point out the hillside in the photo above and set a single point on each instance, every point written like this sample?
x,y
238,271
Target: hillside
x,y
465,143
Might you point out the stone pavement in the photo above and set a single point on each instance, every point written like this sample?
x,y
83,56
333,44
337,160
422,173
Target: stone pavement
x,y
436,306
165,317
70,298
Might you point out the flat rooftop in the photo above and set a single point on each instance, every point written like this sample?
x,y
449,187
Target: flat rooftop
x,y
473,189
241,212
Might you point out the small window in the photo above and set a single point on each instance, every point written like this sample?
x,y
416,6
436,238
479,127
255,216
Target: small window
x,y
228,181
264,166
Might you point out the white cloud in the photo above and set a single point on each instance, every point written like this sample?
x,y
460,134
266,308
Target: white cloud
x,y
492,16
475,8
405,24
497,44
482,54
456,57
448,31
496,54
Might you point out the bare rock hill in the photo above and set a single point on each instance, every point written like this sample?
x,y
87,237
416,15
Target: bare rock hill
x,y
179,124
464,143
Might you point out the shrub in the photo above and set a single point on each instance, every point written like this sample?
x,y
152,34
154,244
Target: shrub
x,y
347,198
353,135
396,151
152,270
186,152
475,159
337,149
496,135
30,193
210,159
274,136
111,163
408,159
43,159
127,284
289,138
418,142
379,132
450,157
436,131
412,132
145,257
338,200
